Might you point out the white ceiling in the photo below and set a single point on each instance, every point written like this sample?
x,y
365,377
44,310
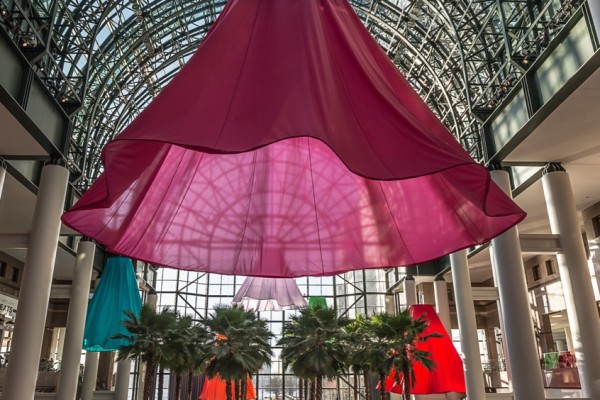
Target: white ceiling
x,y
570,135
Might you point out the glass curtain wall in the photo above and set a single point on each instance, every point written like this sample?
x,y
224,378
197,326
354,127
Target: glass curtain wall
x,y
195,294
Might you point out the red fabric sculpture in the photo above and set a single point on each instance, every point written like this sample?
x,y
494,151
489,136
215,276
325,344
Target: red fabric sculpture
x,y
447,375
289,145
214,389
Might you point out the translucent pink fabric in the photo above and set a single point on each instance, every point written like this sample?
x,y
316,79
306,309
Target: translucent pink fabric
x,y
269,294
289,145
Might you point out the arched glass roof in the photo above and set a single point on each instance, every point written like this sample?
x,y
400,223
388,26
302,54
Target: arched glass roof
x,y
104,60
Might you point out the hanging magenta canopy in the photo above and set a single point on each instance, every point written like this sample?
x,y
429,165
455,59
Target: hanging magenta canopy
x,y
289,145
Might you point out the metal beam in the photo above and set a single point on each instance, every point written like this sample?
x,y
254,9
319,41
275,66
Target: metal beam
x,y
540,244
485,293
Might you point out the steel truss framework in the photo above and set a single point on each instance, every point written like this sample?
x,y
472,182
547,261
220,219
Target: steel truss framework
x,y
105,60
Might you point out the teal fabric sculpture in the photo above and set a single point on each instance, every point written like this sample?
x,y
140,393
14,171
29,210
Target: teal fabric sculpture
x,y
117,292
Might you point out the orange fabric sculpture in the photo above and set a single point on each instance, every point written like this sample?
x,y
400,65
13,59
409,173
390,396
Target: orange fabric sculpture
x,y
214,389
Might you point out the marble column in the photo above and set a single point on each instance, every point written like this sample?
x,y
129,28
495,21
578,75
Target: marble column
x,y
151,300
467,325
2,178
440,289
90,374
575,277
34,294
509,275
122,384
442,307
80,293
410,290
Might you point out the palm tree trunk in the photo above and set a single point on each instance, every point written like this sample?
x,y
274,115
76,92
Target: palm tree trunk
x,y
301,386
382,384
177,387
407,382
161,382
355,385
228,390
150,371
244,389
367,385
305,389
236,390
189,387
319,395
313,388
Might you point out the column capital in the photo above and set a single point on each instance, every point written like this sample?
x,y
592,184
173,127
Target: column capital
x,y
495,166
553,167
409,277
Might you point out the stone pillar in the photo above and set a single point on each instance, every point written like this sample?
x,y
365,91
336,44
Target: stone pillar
x,y
428,293
151,300
80,293
2,178
561,345
568,339
410,290
60,344
90,373
106,365
442,307
502,330
122,384
440,289
509,273
467,325
390,305
34,294
575,277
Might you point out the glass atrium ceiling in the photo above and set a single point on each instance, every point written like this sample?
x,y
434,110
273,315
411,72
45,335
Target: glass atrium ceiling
x,y
104,61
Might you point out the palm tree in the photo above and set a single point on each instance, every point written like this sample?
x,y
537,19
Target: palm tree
x,y
357,337
314,347
185,346
197,339
240,346
146,336
394,341
178,349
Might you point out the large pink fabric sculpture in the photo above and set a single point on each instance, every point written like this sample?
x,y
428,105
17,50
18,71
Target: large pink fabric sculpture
x,y
269,294
289,145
